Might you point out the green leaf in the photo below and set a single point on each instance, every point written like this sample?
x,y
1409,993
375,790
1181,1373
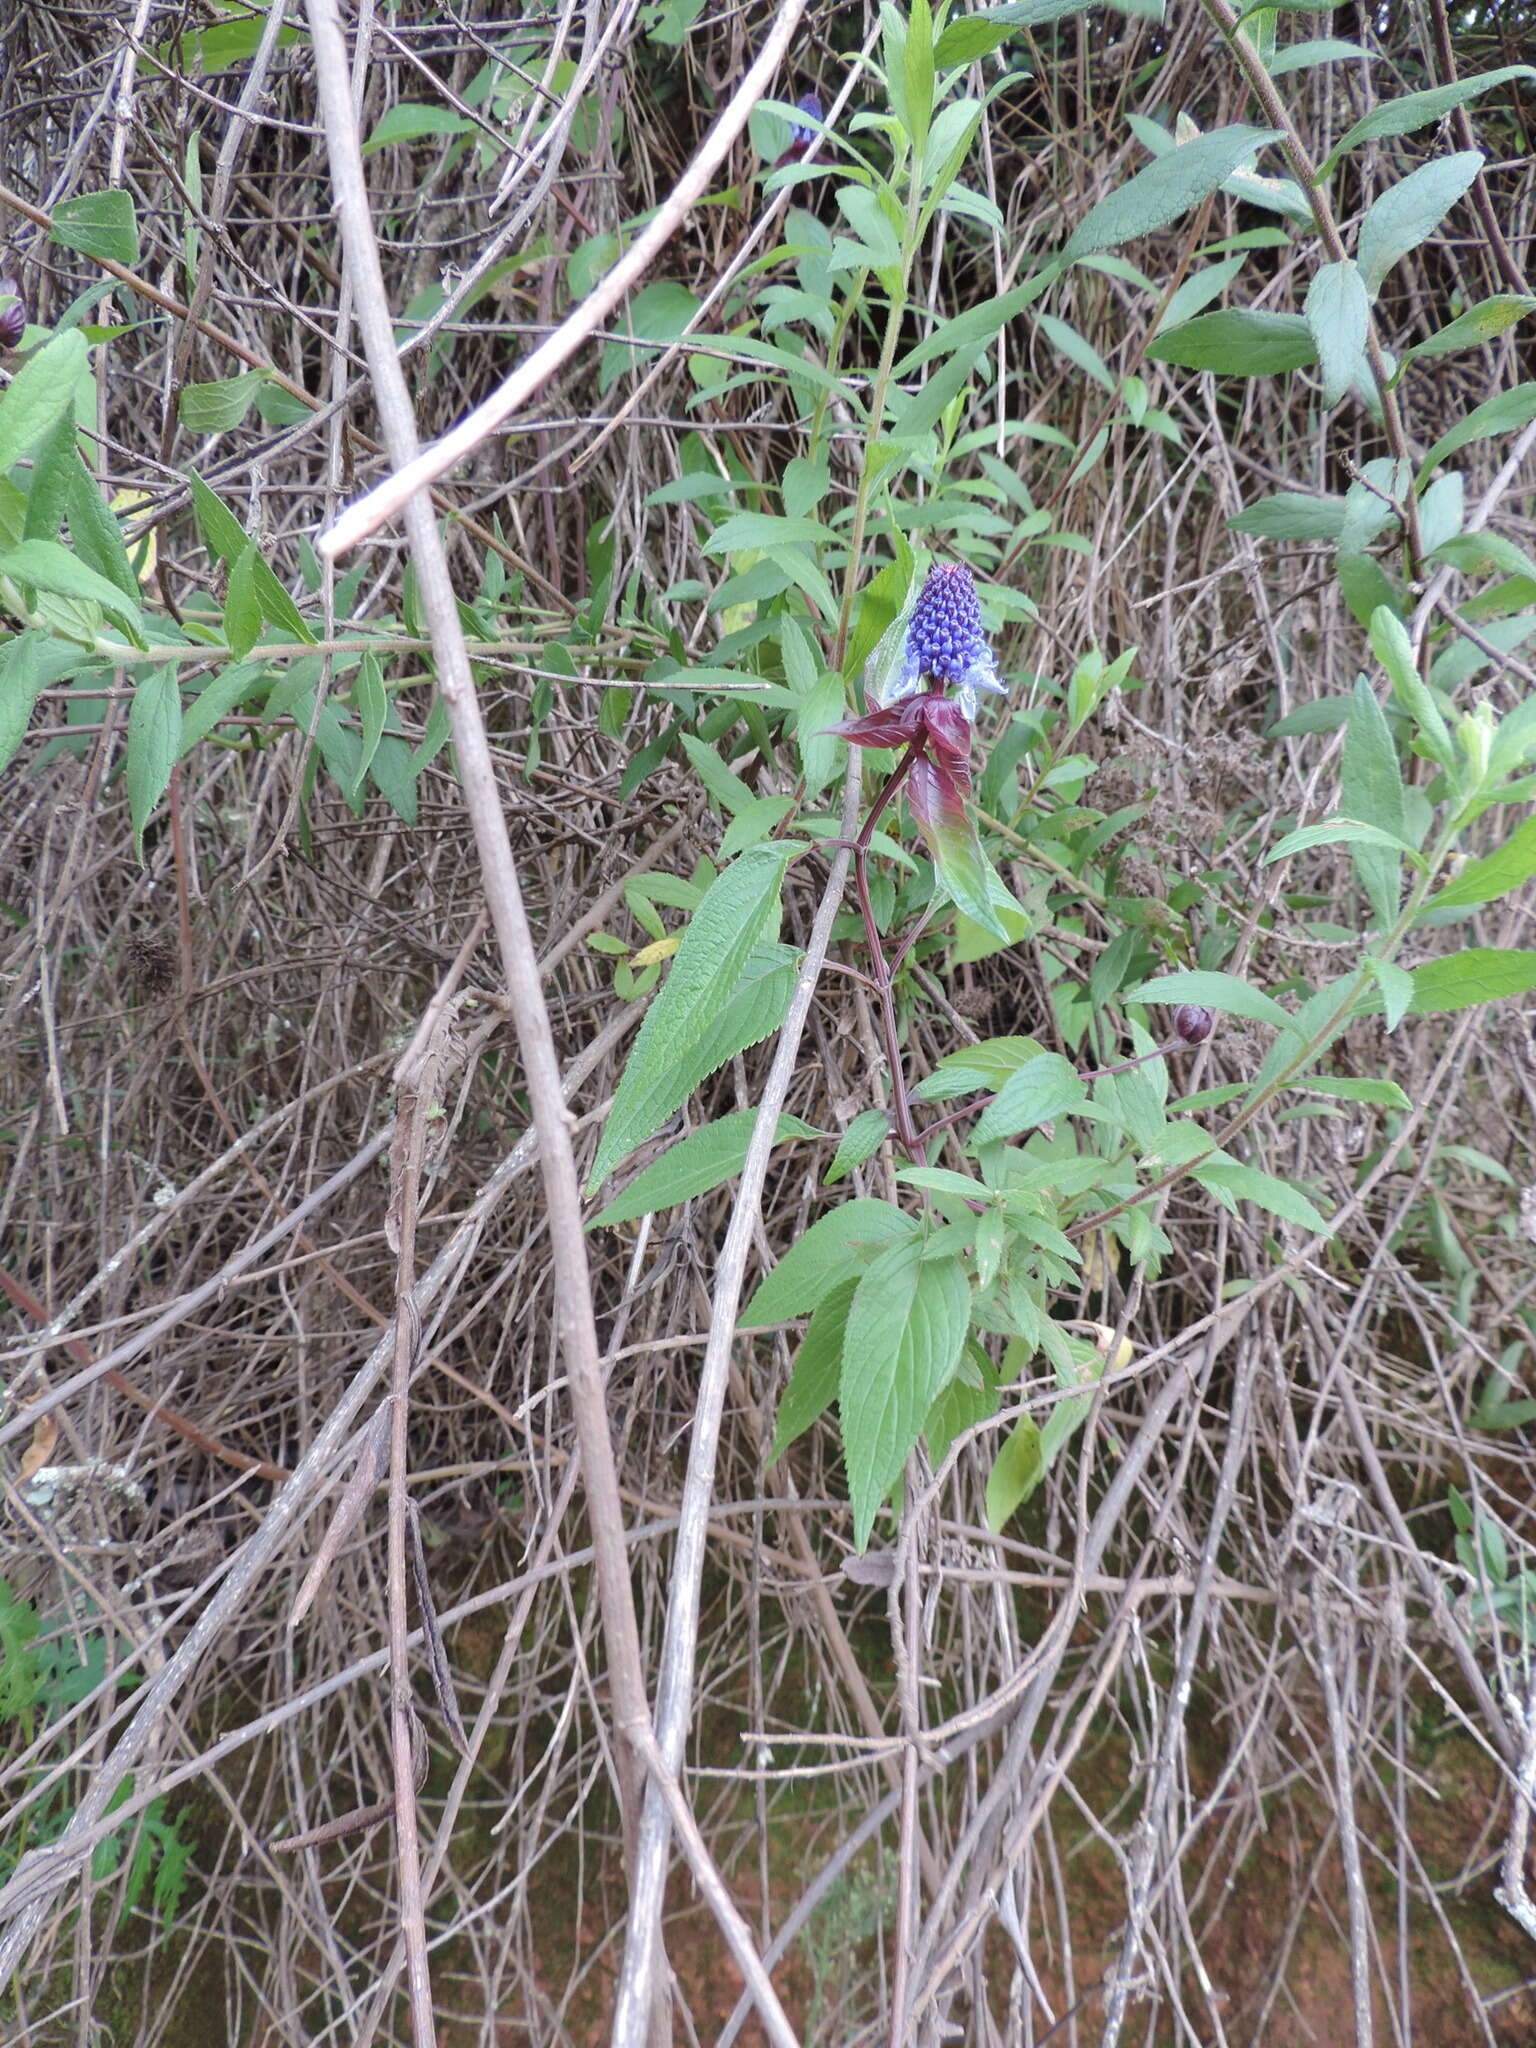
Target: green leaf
x,y
817,1370
656,315
1339,315
1349,1088
739,912
727,789
1371,789
1248,1184
746,530
1483,881
1422,109
1291,515
754,822
45,565
41,390
154,736
1237,342
1341,832
29,664
1481,974
862,1140
1501,414
1481,323
1215,991
985,1066
1407,213
916,414
703,1160
227,539
821,707
94,531
370,700
1396,986
1301,56
879,244
837,1247
100,224
215,408
1017,1470
973,36
409,122
905,1332
967,876
1394,650
1165,189
974,328
917,58
1044,1087
242,613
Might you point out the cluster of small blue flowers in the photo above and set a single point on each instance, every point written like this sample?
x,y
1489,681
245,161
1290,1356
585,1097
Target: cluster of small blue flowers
x,y
945,644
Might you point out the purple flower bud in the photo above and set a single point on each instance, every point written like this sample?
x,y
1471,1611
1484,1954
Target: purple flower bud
x,y
1193,1023
13,318
803,133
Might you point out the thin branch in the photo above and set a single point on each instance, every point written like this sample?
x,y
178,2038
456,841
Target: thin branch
x,y
413,473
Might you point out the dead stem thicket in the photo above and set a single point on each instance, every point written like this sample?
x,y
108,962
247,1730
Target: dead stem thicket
x,y
1223,1758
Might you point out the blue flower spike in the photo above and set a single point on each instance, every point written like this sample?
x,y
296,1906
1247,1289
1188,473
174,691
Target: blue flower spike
x,y
945,645
802,133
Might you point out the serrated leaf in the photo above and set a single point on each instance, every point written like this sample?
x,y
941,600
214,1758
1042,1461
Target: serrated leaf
x,y
837,1247
738,913
818,1367
1167,188
1339,315
705,1159
1480,974
101,224
41,390
1044,1087
154,736
1248,1184
1405,216
1215,991
904,1336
